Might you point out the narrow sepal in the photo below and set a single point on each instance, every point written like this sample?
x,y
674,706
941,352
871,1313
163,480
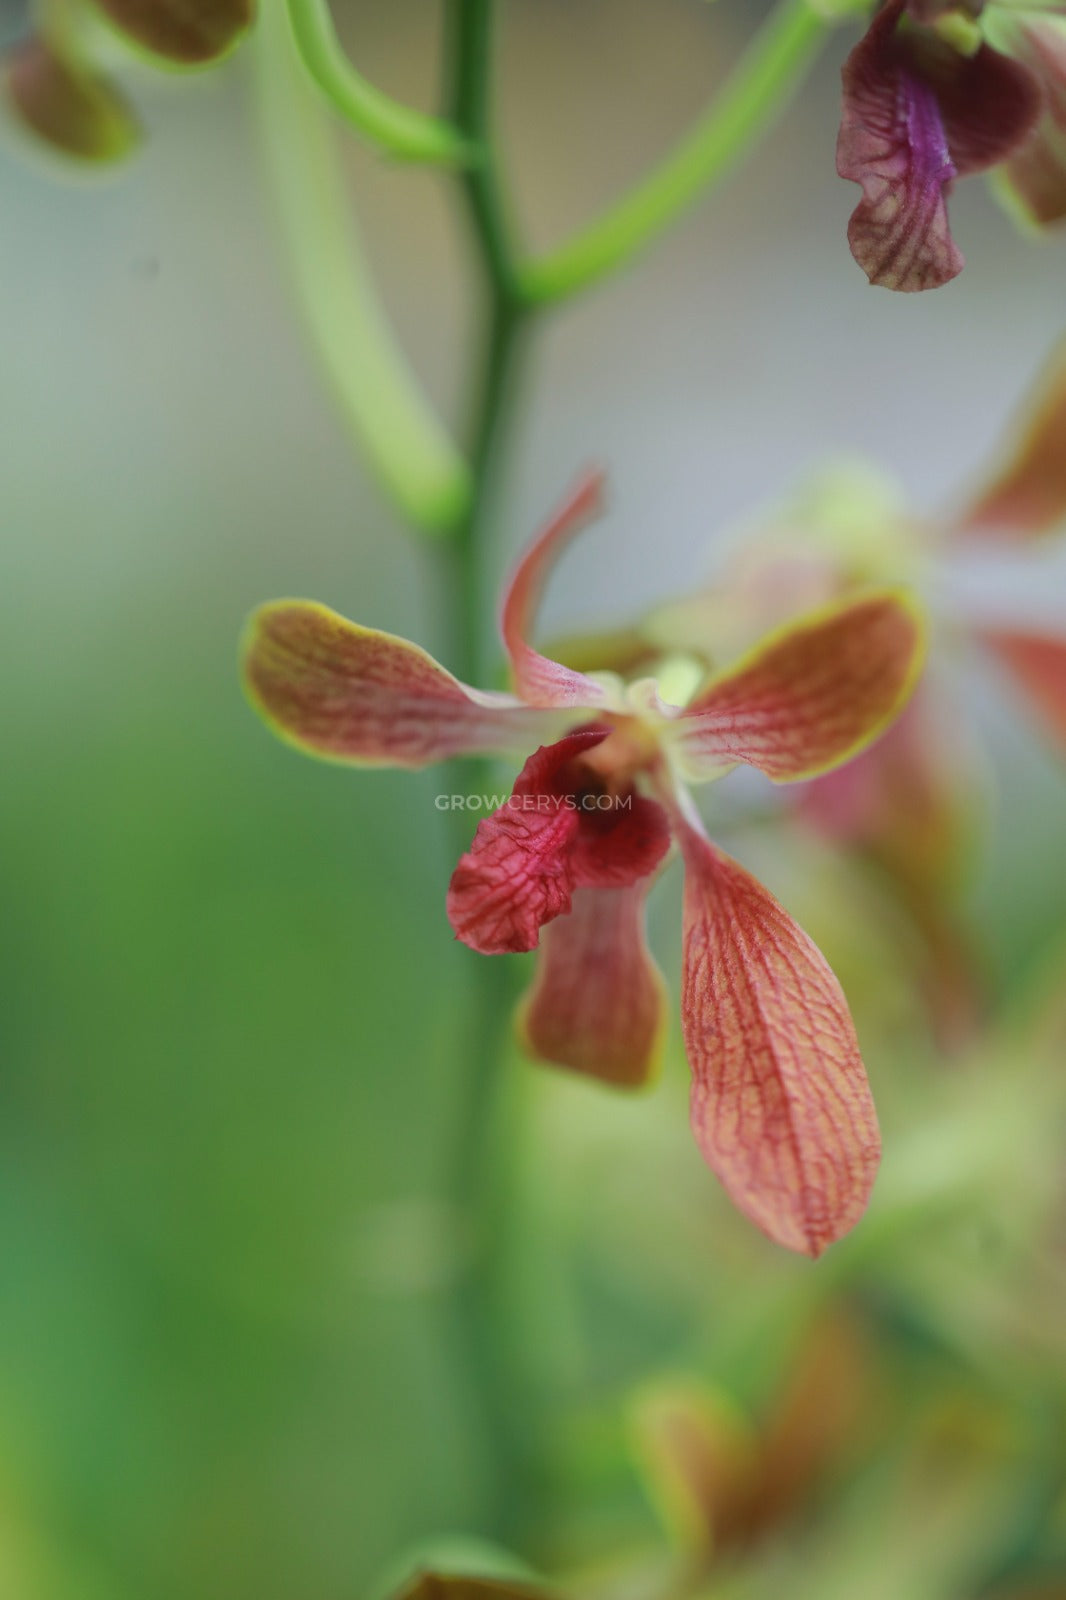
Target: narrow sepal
x,y
537,678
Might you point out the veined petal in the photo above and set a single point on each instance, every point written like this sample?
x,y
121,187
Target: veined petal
x,y
352,694
892,142
515,877
917,114
1037,662
539,680
1027,496
597,1002
780,1105
810,697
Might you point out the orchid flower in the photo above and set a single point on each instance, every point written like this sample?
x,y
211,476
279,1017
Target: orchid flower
x,y
936,91
780,1105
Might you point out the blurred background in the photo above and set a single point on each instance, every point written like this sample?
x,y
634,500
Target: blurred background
x,y
229,1359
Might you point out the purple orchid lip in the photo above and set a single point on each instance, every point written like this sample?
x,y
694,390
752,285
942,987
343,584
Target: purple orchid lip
x,y
918,114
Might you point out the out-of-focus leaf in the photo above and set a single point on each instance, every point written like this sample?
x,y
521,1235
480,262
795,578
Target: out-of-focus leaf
x,y
189,32
68,106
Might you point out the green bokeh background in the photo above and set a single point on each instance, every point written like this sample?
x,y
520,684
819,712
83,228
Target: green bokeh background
x,y
231,1008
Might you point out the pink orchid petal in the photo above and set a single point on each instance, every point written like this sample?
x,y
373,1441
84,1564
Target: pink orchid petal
x,y
542,844
1037,663
353,694
917,114
811,697
596,1004
539,680
780,1106
1027,496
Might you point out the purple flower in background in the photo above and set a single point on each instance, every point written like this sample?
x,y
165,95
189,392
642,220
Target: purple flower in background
x,y
928,99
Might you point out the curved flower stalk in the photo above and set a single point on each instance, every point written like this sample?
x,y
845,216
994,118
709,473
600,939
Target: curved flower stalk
x,y
936,91
781,1109
988,574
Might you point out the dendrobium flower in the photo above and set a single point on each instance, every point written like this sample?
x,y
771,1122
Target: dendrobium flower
x,y
780,1105
938,90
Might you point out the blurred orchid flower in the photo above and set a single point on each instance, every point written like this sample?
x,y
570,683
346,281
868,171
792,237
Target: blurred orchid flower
x,y
723,1479
939,90
994,577
781,1109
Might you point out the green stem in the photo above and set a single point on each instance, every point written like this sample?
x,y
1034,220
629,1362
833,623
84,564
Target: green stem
x,y
757,92
397,128
479,1172
404,440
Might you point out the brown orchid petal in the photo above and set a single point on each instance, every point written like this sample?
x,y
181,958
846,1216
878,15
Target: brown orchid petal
x,y
539,680
353,694
809,698
1027,496
67,106
780,1107
189,32
1037,663
597,1002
